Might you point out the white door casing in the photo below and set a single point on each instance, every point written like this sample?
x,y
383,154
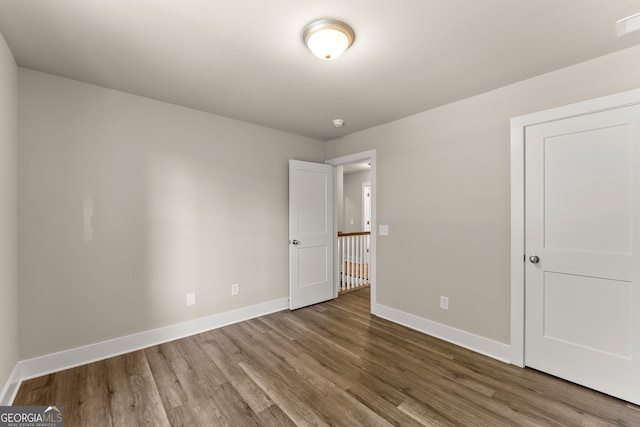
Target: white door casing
x,y
311,233
582,208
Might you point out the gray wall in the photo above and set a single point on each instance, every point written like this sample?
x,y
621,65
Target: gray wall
x,y
182,201
353,200
443,189
8,211
186,201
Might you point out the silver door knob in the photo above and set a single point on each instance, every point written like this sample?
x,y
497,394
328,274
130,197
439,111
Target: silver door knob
x,y
534,259
295,242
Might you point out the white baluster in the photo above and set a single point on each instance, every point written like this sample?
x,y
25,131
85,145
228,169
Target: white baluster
x,y
340,272
353,266
354,258
361,260
346,264
355,261
359,273
367,258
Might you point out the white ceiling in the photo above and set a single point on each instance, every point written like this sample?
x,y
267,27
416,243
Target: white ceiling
x,y
245,59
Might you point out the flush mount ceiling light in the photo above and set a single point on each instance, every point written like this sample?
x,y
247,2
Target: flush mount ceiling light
x,y
328,38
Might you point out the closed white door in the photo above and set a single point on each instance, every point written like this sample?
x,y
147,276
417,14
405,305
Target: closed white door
x,y
582,250
311,233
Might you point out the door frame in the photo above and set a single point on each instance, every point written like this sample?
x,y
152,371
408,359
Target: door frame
x,y
369,155
518,127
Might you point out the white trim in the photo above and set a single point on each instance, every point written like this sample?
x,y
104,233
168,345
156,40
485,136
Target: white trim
x,y
628,25
482,345
609,102
518,126
517,244
369,155
11,387
364,211
55,362
336,254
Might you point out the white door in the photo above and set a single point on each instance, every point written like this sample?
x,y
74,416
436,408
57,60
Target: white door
x,y
311,233
582,320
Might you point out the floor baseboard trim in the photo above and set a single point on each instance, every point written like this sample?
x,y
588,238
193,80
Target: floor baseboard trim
x,y
11,387
43,365
47,364
482,345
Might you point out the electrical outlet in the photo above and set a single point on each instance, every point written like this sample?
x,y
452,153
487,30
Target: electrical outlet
x,y
235,289
191,298
444,303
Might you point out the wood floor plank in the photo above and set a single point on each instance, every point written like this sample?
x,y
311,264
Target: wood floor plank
x,y
334,405
424,415
93,396
376,401
284,393
189,414
134,397
68,383
328,364
274,417
247,388
169,387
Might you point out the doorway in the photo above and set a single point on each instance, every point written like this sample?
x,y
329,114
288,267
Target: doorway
x,y
360,266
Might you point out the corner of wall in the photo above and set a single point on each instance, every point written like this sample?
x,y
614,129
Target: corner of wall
x,y
8,222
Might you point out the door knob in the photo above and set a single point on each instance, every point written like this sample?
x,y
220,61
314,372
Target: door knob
x,y
534,259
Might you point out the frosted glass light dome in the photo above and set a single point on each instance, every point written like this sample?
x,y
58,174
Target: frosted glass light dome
x,y
327,38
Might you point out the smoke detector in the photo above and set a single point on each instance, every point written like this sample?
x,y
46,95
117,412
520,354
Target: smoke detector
x,y
338,123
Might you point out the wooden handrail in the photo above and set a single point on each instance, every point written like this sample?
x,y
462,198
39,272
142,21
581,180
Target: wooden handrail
x,y
359,233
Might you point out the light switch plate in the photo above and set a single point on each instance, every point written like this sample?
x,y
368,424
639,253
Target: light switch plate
x,y
191,298
383,230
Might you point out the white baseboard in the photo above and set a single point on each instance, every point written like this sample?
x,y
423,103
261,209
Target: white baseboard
x,y
486,346
43,365
11,388
55,362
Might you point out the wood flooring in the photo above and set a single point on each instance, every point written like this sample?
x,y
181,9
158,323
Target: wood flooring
x,y
332,364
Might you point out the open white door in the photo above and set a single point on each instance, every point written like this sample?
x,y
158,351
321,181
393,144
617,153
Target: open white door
x,y
583,250
311,233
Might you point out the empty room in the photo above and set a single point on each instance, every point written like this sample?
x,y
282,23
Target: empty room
x,y
280,213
